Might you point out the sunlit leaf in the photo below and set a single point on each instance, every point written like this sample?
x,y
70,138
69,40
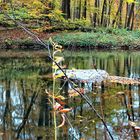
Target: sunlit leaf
x,y
65,110
54,66
79,116
46,91
73,68
59,75
58,47
58,59
130,1
120,93
60,97
52,43
73,94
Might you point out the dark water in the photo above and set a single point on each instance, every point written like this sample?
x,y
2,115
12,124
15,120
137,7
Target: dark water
x,y
26,113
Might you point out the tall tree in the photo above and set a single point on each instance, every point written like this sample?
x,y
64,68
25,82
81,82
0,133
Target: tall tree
x,y
119,13
109,10
84,13
79,9
104,10
66,8
95,13
130,15
126,15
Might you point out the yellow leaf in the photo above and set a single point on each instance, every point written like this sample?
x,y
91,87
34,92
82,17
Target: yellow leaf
x,y
60,97
130,1
58,47
73,68
51,41
55,67
58,59
59,75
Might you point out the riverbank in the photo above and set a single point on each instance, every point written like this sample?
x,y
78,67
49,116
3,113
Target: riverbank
x,y
110,39
101,39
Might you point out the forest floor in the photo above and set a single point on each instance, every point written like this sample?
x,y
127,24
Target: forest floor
x,y
19,39
11,38
19,34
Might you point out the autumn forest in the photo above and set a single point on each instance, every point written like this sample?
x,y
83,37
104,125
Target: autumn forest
x,y
69,69
96,13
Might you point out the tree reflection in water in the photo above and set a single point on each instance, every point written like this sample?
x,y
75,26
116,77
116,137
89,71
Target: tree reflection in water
x,y
25,110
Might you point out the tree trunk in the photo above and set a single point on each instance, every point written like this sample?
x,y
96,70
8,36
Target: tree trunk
x,y
79,12
103,13
66,8
120,16
109,11
132,24
130,15
95,13
119,13
126,14
84,14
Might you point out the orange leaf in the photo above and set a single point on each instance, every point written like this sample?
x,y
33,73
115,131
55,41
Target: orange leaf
x,y
65,110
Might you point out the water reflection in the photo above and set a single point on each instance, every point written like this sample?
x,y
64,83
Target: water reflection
x,y
26,113
115,63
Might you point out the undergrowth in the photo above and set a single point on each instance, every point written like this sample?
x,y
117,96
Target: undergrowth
x,y
100,38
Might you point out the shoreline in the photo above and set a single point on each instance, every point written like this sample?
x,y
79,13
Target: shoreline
x,y
17,39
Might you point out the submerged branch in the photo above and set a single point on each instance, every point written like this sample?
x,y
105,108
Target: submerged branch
x,y
25,118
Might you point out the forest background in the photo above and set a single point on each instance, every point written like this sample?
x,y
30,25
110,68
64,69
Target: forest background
x,y
108,21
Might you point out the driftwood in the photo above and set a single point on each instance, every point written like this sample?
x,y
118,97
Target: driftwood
x,y
97,76
86,76
123,80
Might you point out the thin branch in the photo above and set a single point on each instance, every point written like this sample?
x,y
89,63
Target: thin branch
x,y
25,118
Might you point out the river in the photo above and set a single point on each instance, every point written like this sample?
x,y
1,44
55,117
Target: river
x,y
26,112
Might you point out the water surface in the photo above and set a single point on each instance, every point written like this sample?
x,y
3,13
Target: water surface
x,y
25,110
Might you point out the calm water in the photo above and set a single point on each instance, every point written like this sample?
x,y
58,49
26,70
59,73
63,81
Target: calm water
x,y
25,110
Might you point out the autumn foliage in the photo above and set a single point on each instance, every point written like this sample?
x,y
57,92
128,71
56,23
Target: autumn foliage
x,y
70,13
